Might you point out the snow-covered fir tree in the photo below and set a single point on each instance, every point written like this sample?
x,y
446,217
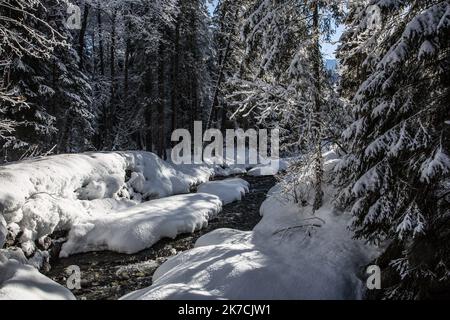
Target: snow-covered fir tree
x,y
282,81
24,36
395,61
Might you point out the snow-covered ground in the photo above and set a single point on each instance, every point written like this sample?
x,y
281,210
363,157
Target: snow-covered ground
x,y
20,281
228,191
137,228
305,263
291,254
39,197
44,195
120,201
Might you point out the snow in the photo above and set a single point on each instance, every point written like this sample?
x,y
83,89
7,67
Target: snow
x,y
291,254
269,169
197,174
3,231
137,228
228,191
440,163
226,172
222,237
231,264
426,49
23,282
44,195
14,253
263,171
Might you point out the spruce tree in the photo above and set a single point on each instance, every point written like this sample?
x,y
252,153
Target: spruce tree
x,y
395,177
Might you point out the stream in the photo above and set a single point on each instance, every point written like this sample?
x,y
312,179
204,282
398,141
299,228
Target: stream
x,y
108,275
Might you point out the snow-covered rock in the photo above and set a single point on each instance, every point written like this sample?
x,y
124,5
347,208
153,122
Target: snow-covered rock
x,y
14,253
226,172
44,195
23,282
263,171
228,190
137,228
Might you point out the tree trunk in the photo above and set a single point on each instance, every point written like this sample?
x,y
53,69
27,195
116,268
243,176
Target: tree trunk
x,y
317,121
222,63
161,102
111,111
82,35
126,69
100,43
175,77
148,112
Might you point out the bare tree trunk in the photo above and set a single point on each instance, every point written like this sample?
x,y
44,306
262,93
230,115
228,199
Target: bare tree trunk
x,y
94,61
317,121
100,136
175,76
148,112
222,63
112,61
100,43
83,34
161,103
126,65
224,119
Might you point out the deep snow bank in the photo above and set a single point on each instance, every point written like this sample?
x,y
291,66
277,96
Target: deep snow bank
x,y
38,197
140,227
304,263
20,281
228,190
291,254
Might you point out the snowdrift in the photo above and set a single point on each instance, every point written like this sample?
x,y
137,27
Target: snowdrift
x,y
264,264
228,191
137,228
291,254
41,196
20,281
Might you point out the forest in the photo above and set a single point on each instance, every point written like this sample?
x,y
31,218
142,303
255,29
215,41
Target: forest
x,y
92,90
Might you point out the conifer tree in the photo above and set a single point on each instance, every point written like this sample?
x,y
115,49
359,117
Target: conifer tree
x,y
396,174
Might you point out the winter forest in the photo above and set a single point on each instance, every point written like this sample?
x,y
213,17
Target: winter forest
x,y
355,94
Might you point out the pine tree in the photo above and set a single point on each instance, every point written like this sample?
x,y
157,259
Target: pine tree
x,y
227,21
26,37
396,175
